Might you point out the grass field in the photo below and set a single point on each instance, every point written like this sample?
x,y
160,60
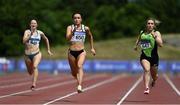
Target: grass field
x,y
121,49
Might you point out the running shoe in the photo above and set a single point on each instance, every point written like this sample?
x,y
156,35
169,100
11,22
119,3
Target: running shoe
x,y
32,88
146,91
79,89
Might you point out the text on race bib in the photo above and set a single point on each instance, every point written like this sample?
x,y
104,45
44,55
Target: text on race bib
x,y
78,36
34,41
145,44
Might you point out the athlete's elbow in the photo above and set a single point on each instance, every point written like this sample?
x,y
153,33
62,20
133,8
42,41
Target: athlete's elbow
x,y
68,38
46,40
91,37
161,45
23,41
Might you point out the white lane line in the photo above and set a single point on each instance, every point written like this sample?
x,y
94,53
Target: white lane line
x,y
85,89
171,84
27,82
50,86
18,79
132,88
14,80
21,79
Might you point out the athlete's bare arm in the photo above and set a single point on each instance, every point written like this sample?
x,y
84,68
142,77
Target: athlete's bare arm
x,y
158,38
137,42
90,40
68,33
27,35
47,43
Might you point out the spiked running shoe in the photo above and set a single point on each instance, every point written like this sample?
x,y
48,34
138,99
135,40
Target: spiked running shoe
x,y
79,89
32,88
146,91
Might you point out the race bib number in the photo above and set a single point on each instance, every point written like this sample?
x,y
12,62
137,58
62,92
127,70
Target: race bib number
x,y
78,36
34,41
145,44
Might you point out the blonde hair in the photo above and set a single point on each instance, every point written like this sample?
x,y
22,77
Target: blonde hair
x,y
156,22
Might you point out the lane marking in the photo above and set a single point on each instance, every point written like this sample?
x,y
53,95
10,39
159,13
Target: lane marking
x,y
132,88
50,86
14,80
28,82
171,84
25,79
22,77
85,89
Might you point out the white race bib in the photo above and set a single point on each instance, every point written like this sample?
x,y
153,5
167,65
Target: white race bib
x,y
79,36
145,44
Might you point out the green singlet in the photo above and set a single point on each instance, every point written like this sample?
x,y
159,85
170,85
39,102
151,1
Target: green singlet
x,y
147,43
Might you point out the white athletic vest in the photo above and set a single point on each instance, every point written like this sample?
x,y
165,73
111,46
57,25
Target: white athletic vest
x,y
78,35
35,38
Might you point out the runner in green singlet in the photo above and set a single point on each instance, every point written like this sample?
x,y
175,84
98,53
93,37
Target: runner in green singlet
x,y
149,40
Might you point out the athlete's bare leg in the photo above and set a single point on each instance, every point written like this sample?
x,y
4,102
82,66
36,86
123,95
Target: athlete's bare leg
x,y
80,63
146,66
73,65
36,62
154,74
29,65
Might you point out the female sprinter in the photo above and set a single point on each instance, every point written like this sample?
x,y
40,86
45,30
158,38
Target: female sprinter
x,y
149,40
76,34
31,40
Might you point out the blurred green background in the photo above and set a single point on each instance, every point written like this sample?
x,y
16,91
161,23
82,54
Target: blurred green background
x,y
114,23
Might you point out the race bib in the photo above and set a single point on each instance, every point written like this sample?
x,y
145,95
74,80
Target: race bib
x,y
34,41
78,36
145,44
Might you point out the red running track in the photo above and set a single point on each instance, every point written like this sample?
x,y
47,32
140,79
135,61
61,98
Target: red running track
x,y
100,88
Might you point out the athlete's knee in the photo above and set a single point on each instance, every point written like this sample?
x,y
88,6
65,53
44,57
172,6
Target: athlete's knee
x,y
146,70
155,67
30,71
34,67
80,66
74,74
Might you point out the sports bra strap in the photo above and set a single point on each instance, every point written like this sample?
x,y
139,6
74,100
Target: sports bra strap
x,y
83,28
73,28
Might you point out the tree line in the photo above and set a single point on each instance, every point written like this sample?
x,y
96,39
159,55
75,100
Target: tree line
x,y
108,19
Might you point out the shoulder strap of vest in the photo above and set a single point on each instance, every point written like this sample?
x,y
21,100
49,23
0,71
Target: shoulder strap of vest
x,y
141,32
37,32
72,27
83,28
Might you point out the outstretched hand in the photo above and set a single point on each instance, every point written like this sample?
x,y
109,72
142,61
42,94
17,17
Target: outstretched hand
x,y
50,53
135,48
93,51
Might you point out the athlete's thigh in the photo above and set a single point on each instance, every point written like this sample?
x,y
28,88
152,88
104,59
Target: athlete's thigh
x,y
81,58
37,59
28,62
145,64
72,62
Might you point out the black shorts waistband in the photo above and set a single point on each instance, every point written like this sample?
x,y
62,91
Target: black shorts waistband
x,y
31,56
75,54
